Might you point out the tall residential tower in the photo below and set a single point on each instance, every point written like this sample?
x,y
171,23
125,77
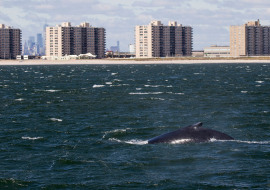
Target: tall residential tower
x,y
10,42
250,39
156,40
69,40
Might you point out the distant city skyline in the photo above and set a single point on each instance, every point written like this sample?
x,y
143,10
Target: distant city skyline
x,y
210,19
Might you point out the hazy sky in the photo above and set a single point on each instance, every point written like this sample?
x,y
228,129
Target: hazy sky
x,y
210,19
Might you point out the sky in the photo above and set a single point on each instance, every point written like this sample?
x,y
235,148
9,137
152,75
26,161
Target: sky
x,y
210,19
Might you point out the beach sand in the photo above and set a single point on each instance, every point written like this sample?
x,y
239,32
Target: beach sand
x,y
126,61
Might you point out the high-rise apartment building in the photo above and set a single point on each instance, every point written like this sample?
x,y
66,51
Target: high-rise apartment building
x,y
10,42
250,39
157,40
69,40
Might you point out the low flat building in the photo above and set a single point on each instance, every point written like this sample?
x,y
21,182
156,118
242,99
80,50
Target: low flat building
x,y
217,51
197,53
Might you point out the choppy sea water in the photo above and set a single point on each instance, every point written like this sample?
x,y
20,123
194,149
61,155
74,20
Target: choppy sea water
x,y
87,126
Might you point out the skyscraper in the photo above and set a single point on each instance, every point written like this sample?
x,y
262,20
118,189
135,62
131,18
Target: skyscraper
x,y
115,48
39,44
10,42
157,40
69,40
250,39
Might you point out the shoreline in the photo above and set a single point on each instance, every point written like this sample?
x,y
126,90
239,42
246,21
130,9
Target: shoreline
x,y
126,61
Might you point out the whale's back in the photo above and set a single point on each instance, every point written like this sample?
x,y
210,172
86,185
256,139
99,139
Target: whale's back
x,y
194,133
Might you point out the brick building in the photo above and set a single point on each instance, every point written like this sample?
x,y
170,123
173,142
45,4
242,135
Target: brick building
x,y
157,40
10,42
69,40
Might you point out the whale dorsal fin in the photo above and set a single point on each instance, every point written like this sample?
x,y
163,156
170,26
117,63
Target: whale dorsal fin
x,y
197,125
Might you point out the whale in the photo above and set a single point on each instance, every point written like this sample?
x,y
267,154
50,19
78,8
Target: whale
x,y
192,133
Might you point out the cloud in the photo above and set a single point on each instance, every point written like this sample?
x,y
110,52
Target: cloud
x,y
210,19
4,18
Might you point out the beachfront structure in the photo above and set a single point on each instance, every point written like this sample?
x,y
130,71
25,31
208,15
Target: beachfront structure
x,y
10,42
217,51
250,39
157,40
65,39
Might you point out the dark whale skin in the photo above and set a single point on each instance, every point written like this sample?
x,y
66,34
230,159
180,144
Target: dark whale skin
x,y
195,133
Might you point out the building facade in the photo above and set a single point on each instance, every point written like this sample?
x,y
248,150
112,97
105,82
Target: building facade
x,y
250,39
10,42
68,40
157,40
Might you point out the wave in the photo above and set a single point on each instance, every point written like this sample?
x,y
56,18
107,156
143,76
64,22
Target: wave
x,y
260,82
32,138
115,131
133,141
251,142
177,93
153,86
240,141
55,119
19,100
184,141
145,93
51,90
98,86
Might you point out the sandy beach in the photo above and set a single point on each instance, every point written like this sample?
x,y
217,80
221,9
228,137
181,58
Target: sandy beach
x,y
133,61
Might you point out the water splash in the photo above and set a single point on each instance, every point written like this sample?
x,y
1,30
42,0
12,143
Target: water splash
x,y
133,141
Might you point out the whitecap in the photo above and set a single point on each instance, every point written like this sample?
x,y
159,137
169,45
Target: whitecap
x,y
56,120
145,93
19,99
260,82
98,86
244,92
252,142
198,73
115,131
152,86
179,93
133,142
52,90
114,74
114,139
108,83
158,99
32,138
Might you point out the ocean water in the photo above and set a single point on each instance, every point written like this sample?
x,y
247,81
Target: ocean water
x,y
87,126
